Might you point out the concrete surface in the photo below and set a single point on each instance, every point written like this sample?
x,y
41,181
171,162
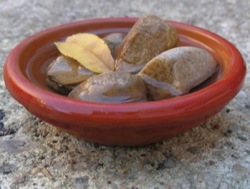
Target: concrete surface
x,y
215,154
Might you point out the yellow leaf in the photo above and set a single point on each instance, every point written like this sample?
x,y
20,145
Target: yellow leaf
x,y
89,50
83,56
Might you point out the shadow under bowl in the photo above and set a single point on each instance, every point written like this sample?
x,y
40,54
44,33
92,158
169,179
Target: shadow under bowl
x,y
128,124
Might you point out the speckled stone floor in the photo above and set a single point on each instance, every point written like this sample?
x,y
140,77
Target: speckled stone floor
x,y
215,154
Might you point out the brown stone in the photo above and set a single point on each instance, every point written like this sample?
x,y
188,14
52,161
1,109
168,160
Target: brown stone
x,y
148,37
64,74
111,87
176,71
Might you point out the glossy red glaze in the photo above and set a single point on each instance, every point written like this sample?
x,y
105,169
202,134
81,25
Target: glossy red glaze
x,y
129,124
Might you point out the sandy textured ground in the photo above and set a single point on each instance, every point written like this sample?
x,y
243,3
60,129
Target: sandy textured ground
x,y
215,154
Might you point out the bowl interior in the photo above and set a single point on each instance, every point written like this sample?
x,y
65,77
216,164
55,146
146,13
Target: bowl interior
x,y
39,55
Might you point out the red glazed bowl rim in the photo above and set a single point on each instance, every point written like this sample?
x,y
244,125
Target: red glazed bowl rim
x,y
222,90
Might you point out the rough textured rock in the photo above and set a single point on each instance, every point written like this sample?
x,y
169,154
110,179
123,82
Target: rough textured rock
x,y
176,71
204,157
147,38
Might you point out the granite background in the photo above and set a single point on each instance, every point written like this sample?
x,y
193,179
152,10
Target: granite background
x,y
215,154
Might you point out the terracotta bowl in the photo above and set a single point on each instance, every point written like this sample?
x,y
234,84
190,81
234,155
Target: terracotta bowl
x,y
130,124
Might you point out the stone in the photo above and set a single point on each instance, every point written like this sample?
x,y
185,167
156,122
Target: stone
x,y
64,73
176,71
147,38
111,87
113,41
